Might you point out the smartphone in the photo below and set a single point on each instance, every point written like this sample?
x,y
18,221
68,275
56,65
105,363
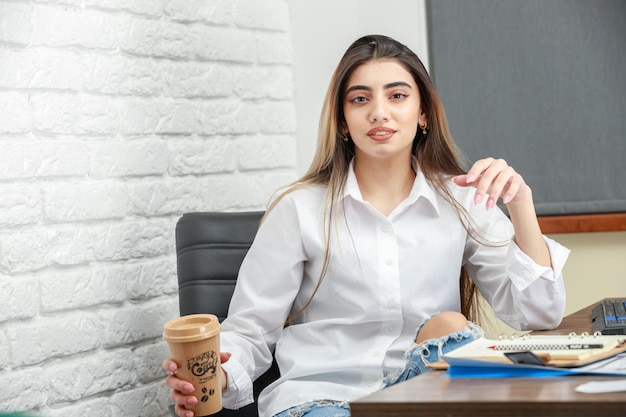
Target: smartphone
x,y
525,357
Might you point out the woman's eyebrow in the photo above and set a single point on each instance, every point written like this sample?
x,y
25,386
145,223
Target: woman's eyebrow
x,y
358,88
386,86
397,84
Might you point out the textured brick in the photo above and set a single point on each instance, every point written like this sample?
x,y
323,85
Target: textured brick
x,y
158,38
65,26
74,114
241,192
134,240
13,158
19,299
159,198
63,2
14,112
99,407
197,79
274,48
23,389
36,249
89,375
4,351
55,159
145,401
179,117
45,68
148,360
73,289
86,201
152,278
121,75
20,204
39,339
9,64
142,7
213,118
115,158
266,117
32,250
262,152
202,156
42,159
141,116
267,14
216,11
223,44
136,323
15,23
116,117
264,82
9,67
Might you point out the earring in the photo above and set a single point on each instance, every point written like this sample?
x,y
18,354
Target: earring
x,y
424,128
344,137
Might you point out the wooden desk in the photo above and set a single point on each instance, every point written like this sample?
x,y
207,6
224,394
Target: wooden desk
x,y
435,395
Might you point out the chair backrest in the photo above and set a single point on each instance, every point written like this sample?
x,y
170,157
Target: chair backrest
x,y
210,247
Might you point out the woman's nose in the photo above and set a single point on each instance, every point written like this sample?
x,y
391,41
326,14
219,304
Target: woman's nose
x,y
380,112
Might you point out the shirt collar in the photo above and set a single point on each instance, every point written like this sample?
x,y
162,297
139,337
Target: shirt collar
x,y
421,188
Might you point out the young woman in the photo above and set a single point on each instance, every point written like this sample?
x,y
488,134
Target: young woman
x,y
367,258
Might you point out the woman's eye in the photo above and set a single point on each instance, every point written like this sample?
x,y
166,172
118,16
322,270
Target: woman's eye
x,y
359,99
398,96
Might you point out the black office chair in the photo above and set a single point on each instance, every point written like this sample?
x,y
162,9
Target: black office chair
x,y
210,247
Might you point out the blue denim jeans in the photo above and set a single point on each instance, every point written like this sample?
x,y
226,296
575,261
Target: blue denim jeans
x,y
322,408
418,358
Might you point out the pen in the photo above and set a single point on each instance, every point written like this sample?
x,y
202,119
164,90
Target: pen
x,y
570,346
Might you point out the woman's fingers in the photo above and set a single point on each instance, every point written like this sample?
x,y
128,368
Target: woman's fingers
x,y
179,385
183,412
493,178
182,389
169,365
179,390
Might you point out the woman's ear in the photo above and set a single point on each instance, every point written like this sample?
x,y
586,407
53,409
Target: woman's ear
x,y
423,119
343,128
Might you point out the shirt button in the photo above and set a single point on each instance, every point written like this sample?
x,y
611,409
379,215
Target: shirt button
x,y
388,262
385,228
392,328
391,304
376,353
370,384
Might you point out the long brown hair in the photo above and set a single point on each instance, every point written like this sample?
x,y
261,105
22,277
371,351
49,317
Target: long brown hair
x,y
437,155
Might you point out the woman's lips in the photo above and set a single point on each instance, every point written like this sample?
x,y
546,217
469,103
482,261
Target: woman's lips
x,y
380,133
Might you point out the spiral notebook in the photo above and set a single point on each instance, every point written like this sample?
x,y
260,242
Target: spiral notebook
x,y
567,351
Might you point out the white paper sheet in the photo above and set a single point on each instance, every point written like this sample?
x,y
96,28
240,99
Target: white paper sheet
x,y
602,386
615,364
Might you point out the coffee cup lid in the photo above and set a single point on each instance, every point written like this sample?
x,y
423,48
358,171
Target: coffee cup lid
x,y
191,328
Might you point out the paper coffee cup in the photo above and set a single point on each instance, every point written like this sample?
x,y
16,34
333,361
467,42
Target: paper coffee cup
x,y
194,343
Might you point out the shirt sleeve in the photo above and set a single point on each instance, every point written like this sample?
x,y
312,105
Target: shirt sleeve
x,y
239,390
268,281
523,294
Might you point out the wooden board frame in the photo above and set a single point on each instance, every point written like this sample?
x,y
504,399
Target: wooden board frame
x,y
582,223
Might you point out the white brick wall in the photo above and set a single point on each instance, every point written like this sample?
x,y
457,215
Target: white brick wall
x,y
116,117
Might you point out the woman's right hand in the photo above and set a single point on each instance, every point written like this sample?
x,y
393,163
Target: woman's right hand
x,y
182,391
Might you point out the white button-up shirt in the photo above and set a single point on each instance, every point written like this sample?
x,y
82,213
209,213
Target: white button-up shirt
x,y
386,275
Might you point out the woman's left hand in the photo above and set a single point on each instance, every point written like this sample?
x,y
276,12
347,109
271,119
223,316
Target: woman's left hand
x,y
496,179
